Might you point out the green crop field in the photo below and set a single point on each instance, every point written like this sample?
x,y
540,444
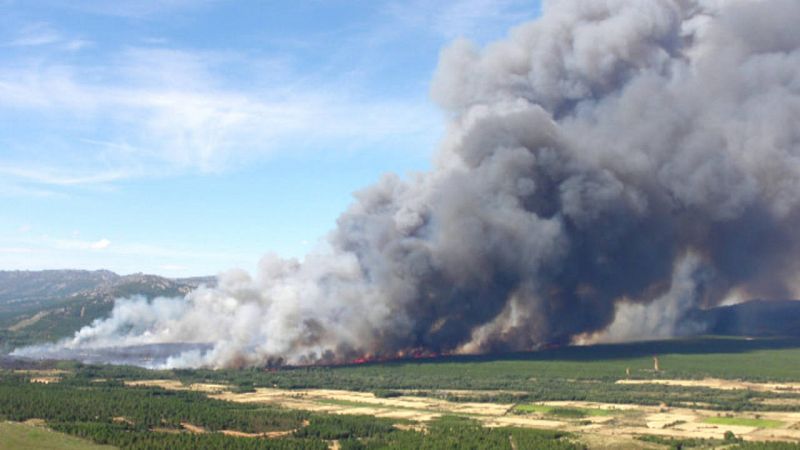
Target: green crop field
x,y
562,411
19,436
744,421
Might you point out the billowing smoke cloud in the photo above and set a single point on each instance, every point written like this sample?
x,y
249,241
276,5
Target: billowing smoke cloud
x,y
640,156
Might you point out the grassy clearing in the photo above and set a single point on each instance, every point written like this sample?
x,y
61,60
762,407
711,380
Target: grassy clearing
x,y
19,436
744,421
351,403
354,404
563,412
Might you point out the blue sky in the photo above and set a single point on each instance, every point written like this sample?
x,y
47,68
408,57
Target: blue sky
x,y
186,137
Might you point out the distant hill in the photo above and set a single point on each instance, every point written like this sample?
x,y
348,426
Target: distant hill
x,y
37,306
20,287
757,318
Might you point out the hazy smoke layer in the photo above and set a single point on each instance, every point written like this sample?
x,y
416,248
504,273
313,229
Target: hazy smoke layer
x,y
614,152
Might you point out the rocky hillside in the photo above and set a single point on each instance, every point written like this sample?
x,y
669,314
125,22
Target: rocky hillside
x,y
141,284
20,287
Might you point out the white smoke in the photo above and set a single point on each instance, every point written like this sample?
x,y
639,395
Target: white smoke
x,y
667,316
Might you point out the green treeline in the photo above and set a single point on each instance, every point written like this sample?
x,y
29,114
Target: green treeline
x,y
144,406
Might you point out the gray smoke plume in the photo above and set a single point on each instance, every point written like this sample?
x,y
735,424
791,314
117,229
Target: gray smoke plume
x,y
639,154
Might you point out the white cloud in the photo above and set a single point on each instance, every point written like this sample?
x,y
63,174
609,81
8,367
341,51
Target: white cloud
x,y
463,18
44,175
26,252
41,34
75,244
74,45
35,35
185,118
137,9
100,245
9,188
16,250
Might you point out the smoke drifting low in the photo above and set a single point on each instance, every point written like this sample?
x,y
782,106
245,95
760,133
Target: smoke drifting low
x,y
615,158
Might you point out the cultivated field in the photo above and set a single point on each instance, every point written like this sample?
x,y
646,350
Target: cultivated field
x,y
607,419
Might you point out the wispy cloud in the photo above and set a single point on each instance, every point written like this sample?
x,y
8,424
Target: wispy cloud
x,y
74,244
183,116
17,250
34,35
158,110
12,188
462,18
42,175
139,9
161,109
36,252
43,34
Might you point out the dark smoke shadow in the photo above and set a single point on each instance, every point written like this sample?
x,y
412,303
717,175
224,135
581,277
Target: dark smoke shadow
x,y
761,318
600,352
745,327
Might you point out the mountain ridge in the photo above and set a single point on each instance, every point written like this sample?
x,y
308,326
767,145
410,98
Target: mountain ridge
x,y
37,306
